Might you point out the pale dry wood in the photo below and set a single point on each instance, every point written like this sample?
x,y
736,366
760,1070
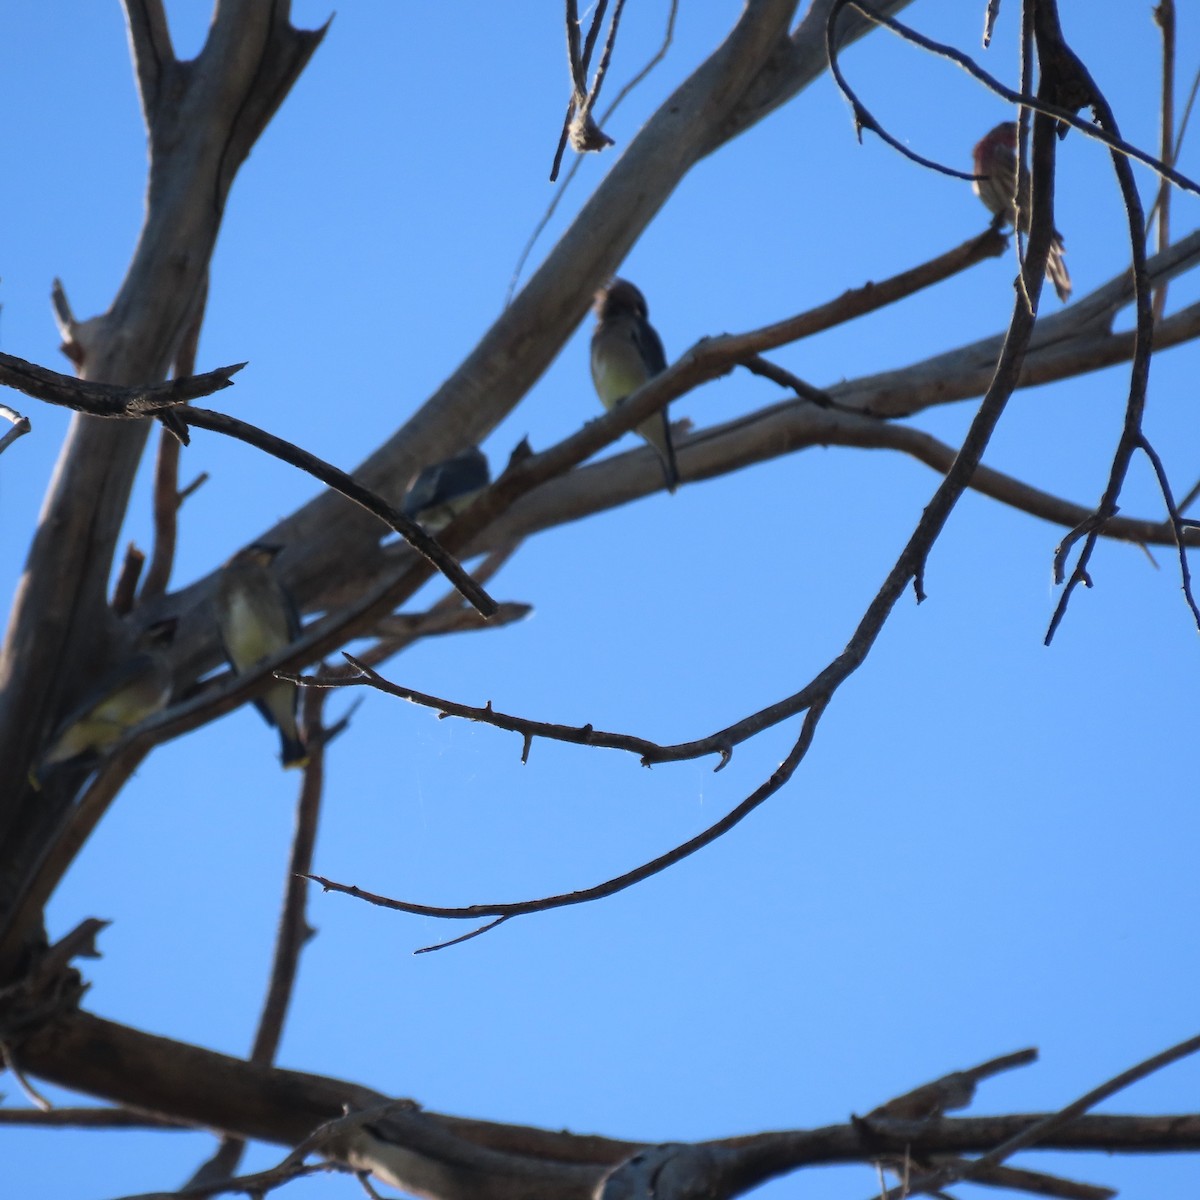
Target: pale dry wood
x,y
203,117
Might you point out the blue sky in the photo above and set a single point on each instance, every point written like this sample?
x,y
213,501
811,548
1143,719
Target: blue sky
x,y
991,844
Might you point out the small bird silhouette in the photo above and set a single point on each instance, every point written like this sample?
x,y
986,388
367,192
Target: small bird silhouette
x,y
996,158
257,618
626,353
445,489
137,688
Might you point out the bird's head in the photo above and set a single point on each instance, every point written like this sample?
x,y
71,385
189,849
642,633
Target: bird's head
x,y
618,297
257,554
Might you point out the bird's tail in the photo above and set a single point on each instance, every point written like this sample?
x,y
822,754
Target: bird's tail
x,y
657,431
292,751
278,707
670,466
1056,269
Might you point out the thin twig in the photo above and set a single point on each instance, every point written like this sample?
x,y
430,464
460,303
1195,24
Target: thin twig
x,y
757,365
1176,524
463,937
584,735
1190,498
88,1118
257,1184
605,57
577,63
20,426
581,128
1131,433
446,616
13,1068
125,590
1178,145
1056,1121
863,118
1164,17
193,487
989,21
578,160
167,497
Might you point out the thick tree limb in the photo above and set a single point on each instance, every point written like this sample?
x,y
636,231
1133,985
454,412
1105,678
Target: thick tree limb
x,y
201,128
441,1154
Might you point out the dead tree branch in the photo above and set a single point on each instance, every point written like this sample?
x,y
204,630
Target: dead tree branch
x,y
417,1147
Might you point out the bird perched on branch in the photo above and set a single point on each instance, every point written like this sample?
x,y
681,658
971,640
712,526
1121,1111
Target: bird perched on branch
x,y
626,353
123,699
446,489
996,158
257,618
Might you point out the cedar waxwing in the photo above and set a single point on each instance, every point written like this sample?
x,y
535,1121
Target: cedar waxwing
x,y
996,157
446,489
626,353
257,618
139,687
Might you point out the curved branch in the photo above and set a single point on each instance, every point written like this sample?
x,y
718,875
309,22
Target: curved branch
x,y
1131,434
618,883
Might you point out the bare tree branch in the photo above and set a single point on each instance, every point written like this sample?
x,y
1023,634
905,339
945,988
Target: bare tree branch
x,y
1164,17
527,249
88,1118
1131,435
1048,1125
105,399
167,497
609,887
20,426
208,1089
